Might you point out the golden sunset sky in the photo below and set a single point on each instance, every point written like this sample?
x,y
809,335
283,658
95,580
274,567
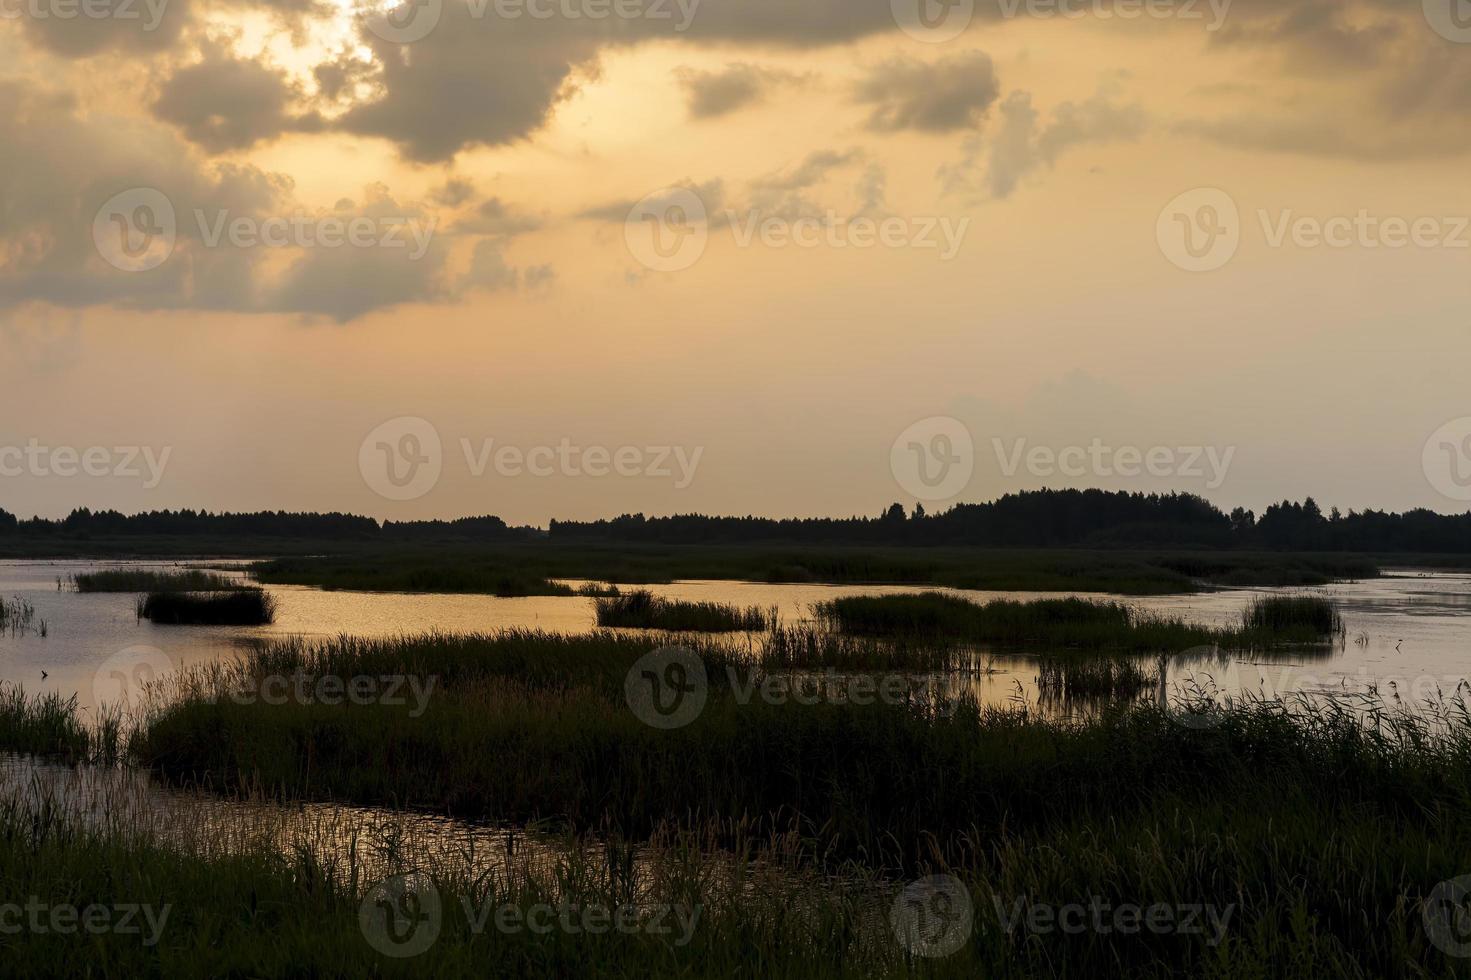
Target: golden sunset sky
x,y
1062,150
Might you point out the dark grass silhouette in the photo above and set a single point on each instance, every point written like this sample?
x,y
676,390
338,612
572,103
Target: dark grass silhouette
x,y
238,607
648,611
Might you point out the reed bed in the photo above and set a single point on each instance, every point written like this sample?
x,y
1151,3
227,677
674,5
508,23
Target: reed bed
x,y
48,724
18,617
644,610
237,607
1100,679
1306,617
1077,624
1360,806
139,580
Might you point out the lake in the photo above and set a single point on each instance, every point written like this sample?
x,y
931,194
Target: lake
x,y
1406,632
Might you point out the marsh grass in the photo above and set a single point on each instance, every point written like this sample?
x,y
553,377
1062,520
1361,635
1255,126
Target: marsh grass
x,y
137,580
1076,624
643,609
47,724
1094,679
1307,617
18,617
237,607
1308,817
440,573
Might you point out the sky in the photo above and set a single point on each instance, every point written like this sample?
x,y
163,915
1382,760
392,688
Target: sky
x,y
575,258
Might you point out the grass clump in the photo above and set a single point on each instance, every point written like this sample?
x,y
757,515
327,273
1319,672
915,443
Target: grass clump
x,y
237,607
50,725
1055,623
645,610
1306,616
18,617
1099,679
131,580
403,573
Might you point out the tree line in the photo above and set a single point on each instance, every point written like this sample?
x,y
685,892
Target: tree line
x,y
1032,519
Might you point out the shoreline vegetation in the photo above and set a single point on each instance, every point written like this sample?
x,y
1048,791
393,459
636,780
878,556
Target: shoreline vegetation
x,y
644,610
536,570
756,805
236,607
1077,624
141,580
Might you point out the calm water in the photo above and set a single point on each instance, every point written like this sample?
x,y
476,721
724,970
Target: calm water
x,y
1407,633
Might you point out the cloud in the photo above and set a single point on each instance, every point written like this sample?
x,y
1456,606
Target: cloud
x,y
494,216
933,97
1020,144
711,194
63,168
227,103
737,85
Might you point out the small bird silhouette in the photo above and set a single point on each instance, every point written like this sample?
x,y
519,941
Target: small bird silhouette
x,y
44,675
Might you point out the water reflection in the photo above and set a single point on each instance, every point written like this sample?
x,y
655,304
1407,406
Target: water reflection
x,y
1408,629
